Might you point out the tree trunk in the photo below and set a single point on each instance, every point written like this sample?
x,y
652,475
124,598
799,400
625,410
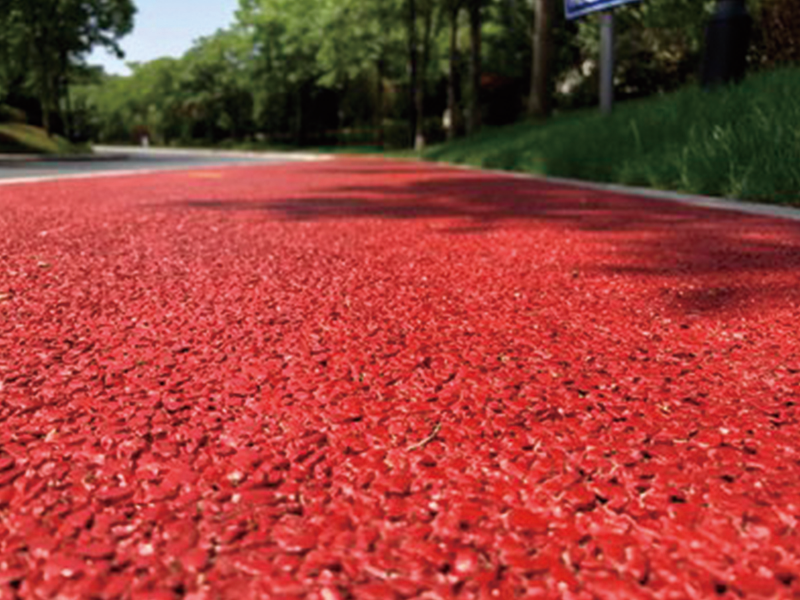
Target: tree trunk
x,y
41,18
380,97
379,116
46,93
45,115
413,63
539,104
474,122
299,131
452,100
65,111
43,83
69,113
419,138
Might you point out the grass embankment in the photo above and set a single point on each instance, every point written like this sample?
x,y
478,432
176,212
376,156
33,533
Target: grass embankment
x,y
741,142
18,138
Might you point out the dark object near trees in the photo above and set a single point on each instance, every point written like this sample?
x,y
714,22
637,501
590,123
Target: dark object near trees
x,y
727,40
779,33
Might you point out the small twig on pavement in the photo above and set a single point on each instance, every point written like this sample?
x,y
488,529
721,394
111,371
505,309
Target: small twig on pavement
x,y
428,439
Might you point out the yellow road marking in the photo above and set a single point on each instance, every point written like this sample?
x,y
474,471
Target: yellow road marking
x,y
206,175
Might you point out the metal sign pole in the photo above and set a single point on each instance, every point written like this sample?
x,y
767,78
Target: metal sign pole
x,y
578,8
607,62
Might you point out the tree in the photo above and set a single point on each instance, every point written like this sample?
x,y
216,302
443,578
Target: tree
x,y
303,71
53,35
453,8
415,87
419,54
360,37
475,10
286,38
542,36
214,87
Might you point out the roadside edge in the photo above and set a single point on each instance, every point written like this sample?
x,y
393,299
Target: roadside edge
x,y
710,202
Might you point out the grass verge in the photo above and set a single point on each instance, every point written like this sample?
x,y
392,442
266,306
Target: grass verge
x,y
18,138
739,142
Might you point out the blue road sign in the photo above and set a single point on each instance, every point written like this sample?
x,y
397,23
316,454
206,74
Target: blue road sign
x,y
578,8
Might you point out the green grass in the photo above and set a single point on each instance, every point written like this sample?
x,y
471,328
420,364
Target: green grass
x,y
741,142
18,138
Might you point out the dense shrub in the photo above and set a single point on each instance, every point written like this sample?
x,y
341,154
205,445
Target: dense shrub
x,y
779,32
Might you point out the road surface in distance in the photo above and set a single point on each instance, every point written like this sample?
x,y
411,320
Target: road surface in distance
x,y
113,159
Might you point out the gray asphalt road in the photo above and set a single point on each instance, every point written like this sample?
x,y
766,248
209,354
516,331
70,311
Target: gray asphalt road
x,y
126,159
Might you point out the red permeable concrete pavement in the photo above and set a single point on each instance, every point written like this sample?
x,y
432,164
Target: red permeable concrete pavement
x,y
365,379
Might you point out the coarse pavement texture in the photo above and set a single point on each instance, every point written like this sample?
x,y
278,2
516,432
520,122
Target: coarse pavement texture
x,y
371,379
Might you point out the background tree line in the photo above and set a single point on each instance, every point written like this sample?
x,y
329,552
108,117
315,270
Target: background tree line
x,y
386,72
43,44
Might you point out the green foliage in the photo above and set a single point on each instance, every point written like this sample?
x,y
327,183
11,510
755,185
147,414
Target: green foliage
x,y
43,43
287,37
659,48
119,104
325,71
205,96
741,142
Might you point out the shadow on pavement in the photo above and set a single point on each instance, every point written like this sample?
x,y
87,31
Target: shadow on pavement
x,y
720,251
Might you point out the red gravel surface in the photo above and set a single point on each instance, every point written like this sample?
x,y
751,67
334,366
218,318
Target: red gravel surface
x,y
365,379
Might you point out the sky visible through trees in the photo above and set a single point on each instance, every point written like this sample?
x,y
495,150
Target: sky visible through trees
x,y
166,28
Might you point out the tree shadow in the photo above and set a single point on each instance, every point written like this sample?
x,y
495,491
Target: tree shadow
x,y
733,258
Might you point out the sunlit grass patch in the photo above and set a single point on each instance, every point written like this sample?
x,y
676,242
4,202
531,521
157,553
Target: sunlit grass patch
x,y
19,138
741,142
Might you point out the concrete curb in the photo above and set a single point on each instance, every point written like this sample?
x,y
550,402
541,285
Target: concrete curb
x,y
121,173
112,153
94,175
120,154
47,158
710,202
133,150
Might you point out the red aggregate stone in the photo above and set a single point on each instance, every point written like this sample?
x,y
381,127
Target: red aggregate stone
x,y
368,379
